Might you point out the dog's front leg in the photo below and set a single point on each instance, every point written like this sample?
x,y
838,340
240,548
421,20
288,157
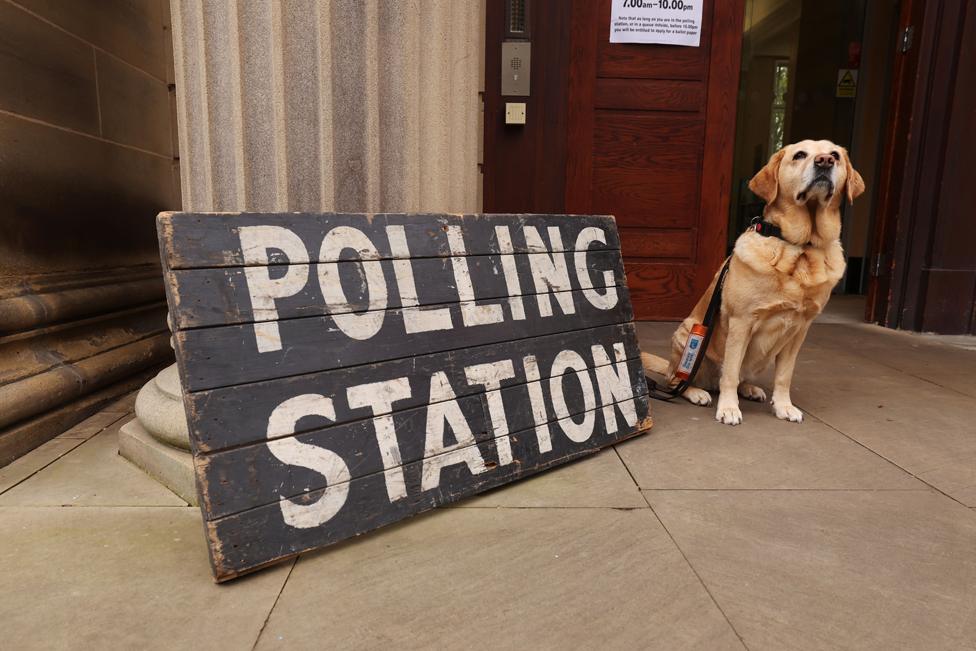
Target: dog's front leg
x,y
785,363
736,342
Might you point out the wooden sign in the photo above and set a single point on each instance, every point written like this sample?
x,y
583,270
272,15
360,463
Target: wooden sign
x,y
342,372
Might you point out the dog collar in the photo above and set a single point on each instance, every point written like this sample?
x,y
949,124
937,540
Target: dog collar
x,y
766,229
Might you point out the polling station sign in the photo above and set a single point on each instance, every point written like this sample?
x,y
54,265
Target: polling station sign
x,y
345,371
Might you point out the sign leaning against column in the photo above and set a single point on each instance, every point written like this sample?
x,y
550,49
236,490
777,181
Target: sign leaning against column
x,y
344,371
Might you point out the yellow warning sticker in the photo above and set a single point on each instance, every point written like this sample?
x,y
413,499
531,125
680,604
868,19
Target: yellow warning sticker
x,y
847,82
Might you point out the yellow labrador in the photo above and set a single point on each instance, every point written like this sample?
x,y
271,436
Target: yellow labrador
x,y
776,285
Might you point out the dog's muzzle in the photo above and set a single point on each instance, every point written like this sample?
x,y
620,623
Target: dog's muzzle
x,y
822,180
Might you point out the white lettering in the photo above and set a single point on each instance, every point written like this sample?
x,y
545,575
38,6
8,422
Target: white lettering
x,y
515,304
415,319
255,243
613,381
445,409
471,312
490,376
549,272
361,325
380,396
608,298
295,453
571,360
538,402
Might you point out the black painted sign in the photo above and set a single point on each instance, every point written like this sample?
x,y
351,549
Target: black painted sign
x,y
343,371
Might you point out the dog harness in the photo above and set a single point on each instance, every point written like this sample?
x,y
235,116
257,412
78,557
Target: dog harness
x,y
697,344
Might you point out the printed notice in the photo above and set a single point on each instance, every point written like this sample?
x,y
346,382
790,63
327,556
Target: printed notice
x,y
671,22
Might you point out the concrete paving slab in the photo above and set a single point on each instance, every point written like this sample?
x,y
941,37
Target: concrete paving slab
x,y
22,468
688,449
121,578
843,308
832,569
843,374
600,480
501,579
93,474
966,342
921,356
93,425
920,427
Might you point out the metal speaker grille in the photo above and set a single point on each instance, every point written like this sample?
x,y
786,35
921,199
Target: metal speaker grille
x,y
516,16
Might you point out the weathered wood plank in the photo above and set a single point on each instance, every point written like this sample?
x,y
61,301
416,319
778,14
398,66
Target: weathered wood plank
x,y
192,240
228,355
221,295
238,415
247,477
261,536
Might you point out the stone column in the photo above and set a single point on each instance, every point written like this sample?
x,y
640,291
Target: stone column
x,y
315,105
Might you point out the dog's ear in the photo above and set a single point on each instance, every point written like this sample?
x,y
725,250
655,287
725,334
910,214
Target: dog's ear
x,y
765,184
855,184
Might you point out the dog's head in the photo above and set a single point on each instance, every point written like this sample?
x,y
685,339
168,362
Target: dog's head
x,y
813,174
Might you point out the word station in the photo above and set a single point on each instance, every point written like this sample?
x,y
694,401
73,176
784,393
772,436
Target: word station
x,y
342,372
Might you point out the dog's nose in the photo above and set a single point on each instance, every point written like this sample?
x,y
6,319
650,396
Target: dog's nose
x,y
824,160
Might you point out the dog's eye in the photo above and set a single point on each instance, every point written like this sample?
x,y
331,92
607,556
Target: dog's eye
x,y
800,155
835,155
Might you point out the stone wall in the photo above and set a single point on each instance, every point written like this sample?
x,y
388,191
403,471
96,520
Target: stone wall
x,y
87,159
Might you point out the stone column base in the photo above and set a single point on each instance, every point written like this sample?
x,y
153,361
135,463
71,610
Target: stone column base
x,y
170,466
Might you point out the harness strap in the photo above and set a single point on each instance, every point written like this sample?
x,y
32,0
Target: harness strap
x,y
669,393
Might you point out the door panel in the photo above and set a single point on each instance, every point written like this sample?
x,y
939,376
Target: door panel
x,y
640,94
639,61
662,291
641,132
654,141
646,168
649,243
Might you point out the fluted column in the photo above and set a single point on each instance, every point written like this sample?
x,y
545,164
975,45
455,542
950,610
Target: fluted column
x,y
316,105
319,105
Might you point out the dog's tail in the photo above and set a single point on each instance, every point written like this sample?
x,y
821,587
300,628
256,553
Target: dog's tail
x,y
654,364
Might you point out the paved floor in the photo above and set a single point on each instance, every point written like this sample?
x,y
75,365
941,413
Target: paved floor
x,y
853,530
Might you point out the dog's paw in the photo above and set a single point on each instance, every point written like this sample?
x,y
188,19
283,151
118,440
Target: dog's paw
x,y
697,396
788,412
752,392
728,415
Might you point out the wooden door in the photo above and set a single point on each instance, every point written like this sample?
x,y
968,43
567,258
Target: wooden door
x,y
891,174
651,133
926,261
641,132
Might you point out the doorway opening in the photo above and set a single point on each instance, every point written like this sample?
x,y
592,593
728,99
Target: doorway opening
x,y
817,69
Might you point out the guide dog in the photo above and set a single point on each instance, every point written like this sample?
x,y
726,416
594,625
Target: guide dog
x,y
776,284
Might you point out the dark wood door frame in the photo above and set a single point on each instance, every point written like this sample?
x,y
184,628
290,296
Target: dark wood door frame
x,y
524,165
881,255
723,89
926,273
